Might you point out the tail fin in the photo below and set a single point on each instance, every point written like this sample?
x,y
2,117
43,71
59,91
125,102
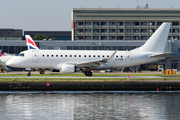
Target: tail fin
x,y
30,43
157,42
1,53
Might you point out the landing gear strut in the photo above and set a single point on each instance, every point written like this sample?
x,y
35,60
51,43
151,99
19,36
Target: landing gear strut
x,y
88,73
41,71
29,73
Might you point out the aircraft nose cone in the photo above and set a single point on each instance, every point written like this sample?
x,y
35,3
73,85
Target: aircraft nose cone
x,y
9,63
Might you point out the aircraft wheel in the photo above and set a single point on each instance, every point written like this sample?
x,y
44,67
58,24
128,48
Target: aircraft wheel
x,y
41,71
88,73
28,74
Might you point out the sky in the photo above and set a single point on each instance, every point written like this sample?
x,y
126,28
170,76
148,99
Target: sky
x,y
55,15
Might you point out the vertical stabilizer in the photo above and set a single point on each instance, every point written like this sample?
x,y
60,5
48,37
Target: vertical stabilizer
x,y
157,42
30,43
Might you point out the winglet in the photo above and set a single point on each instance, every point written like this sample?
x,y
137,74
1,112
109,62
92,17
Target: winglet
x,y
30,43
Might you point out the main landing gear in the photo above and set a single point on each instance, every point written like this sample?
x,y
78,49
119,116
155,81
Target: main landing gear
x,y
88,73
41,71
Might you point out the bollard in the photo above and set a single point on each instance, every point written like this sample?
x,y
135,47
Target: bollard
x,y
128,78
48,84
157,89
13,77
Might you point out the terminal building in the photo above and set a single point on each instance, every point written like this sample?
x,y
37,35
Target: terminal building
x,y
112,29
121,23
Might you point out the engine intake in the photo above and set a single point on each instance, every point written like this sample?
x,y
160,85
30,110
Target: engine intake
x,y
67,68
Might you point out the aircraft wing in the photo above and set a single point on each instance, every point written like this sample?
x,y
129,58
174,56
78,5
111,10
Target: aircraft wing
x,y
160,55
95,63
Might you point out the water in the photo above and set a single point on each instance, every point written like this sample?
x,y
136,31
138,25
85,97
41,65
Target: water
x,y
93,105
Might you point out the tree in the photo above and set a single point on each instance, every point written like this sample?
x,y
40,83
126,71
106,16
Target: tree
x,y
41,37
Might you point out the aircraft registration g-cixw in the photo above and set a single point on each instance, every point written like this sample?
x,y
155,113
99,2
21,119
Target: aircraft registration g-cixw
x,y
70,61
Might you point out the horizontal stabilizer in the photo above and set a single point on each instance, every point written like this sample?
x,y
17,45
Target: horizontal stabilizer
x,y
160,55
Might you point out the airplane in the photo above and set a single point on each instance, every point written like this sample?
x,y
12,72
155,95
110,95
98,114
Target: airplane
x,y
4,57
70,61
32,45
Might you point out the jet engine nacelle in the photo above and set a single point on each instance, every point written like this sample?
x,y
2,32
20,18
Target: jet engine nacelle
x,y
67,68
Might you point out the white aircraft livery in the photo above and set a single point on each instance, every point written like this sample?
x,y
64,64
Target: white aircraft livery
x,y
70,61
4,57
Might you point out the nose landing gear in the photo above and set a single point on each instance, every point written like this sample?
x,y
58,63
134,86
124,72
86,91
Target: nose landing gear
x,y
29,73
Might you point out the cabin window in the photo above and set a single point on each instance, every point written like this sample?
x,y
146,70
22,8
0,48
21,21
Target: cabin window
x,y
89,55
56,55
70,55
47,55
94,56
107,55
117,56
121,56
84,55
79,55
98,55
65,55
74,55
103,56
22,54
42,55
52,55
61,55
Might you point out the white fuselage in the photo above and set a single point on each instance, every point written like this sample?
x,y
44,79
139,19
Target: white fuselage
x,y
54,59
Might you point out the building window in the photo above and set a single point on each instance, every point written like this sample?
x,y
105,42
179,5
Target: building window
x,y
136,23
159,23
144,23
87,23
111,23
128,23
175,23
103,23
95,23
79,23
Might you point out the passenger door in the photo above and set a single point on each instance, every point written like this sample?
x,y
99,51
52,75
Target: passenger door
x,y
128,57
35,56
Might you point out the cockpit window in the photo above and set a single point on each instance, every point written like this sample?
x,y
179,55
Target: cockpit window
x,y
22,54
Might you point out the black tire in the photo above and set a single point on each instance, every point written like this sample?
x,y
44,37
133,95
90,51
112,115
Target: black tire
x,y
41,71
28,74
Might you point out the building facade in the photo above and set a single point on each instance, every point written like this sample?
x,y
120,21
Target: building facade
x,y
11,34
122,24
59,35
